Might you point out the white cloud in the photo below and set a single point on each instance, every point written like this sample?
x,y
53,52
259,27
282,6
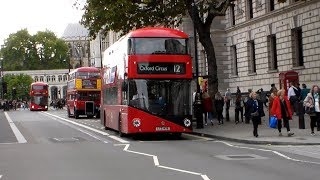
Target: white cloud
x,y
36,15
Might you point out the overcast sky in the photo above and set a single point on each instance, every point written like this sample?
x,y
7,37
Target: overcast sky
x,y
36,15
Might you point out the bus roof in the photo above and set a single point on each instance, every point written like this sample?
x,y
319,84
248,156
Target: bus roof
x,y
39,84
85,69
157,32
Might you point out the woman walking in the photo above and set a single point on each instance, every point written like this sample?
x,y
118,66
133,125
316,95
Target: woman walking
x,y
312,102
207,108
282,110
255,111
239,104
219,102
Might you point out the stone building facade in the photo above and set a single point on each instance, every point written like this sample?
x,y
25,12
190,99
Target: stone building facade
x,y
266,38
57,80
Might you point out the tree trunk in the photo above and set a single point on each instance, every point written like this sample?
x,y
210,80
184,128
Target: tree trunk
x,y
206,42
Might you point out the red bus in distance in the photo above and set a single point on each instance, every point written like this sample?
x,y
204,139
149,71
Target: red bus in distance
x,y
83,92
39,96
146,83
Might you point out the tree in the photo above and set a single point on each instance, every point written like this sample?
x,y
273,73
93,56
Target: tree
x,y
124,15
41,51
21,84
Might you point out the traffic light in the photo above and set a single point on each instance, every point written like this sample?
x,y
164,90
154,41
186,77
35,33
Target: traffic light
x,y
4,87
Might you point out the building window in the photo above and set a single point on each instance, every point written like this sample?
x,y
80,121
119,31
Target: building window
x,y
249,9
36,78
270,5
272,52
233,50
41,78
252,57
53,78
65,78
297,47
59,78
232,16
48,78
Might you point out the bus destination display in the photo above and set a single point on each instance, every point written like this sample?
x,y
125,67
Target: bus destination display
x,y
161,68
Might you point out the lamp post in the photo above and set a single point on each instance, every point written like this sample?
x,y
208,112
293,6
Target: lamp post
x,y
198,102
1,74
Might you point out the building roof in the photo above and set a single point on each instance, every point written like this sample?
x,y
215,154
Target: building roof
x,y
75,31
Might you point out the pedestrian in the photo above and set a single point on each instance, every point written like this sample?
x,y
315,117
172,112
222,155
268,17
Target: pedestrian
x,y
227,100
273,89
312,101
239,104
219,103
271,98
282,110
304,91
255,111
247,98
294,97
263,97
238,91
207,108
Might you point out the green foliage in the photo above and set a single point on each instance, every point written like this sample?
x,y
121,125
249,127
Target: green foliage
x,y
21,83
40,51
125,15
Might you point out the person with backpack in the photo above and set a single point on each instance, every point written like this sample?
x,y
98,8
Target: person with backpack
x,y
294,97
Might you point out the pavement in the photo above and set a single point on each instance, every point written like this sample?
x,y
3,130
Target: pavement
x,y
243,133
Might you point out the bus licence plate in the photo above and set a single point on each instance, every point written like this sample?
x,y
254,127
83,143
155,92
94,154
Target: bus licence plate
x,y
163,128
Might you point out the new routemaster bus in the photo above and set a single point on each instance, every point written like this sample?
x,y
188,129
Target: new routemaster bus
x,y
39,96
146,83
83,92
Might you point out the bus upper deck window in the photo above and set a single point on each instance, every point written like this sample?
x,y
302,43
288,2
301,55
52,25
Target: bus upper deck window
x,y
130,47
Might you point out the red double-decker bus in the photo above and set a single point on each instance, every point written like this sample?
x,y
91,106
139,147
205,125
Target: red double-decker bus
x,y
146,83
39,96
83,92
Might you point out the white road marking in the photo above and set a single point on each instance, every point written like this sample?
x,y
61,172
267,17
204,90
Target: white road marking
x,y
89,128
268,150
118,139
15,130
157,164
198,137
56,139
0,176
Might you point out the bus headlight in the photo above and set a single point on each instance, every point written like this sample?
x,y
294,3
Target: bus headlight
x,y
46,107
187,122
32,107
136,122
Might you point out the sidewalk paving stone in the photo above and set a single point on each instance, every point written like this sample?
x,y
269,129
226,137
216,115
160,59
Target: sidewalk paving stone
x,y
243,133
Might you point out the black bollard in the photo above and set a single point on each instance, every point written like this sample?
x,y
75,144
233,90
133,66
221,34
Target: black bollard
x,y
198,111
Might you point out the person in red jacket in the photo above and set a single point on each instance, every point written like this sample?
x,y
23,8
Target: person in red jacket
x,y
282,110
207,107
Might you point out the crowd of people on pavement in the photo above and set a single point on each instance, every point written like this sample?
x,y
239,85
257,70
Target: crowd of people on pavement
x,y
280,104
6,105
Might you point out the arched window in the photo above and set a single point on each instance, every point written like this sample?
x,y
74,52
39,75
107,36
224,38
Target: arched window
x,y
41,78
48,78
59,78
53,78
65,78
36,79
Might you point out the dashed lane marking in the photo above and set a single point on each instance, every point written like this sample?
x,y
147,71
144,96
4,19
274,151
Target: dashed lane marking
x,y
157,164
0,176
268,150
85,132
87,127
15,130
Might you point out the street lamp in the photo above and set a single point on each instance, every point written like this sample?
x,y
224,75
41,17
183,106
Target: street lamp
x,y
79,53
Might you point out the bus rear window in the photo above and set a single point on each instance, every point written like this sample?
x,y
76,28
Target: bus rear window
x,y
38,87
173,46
